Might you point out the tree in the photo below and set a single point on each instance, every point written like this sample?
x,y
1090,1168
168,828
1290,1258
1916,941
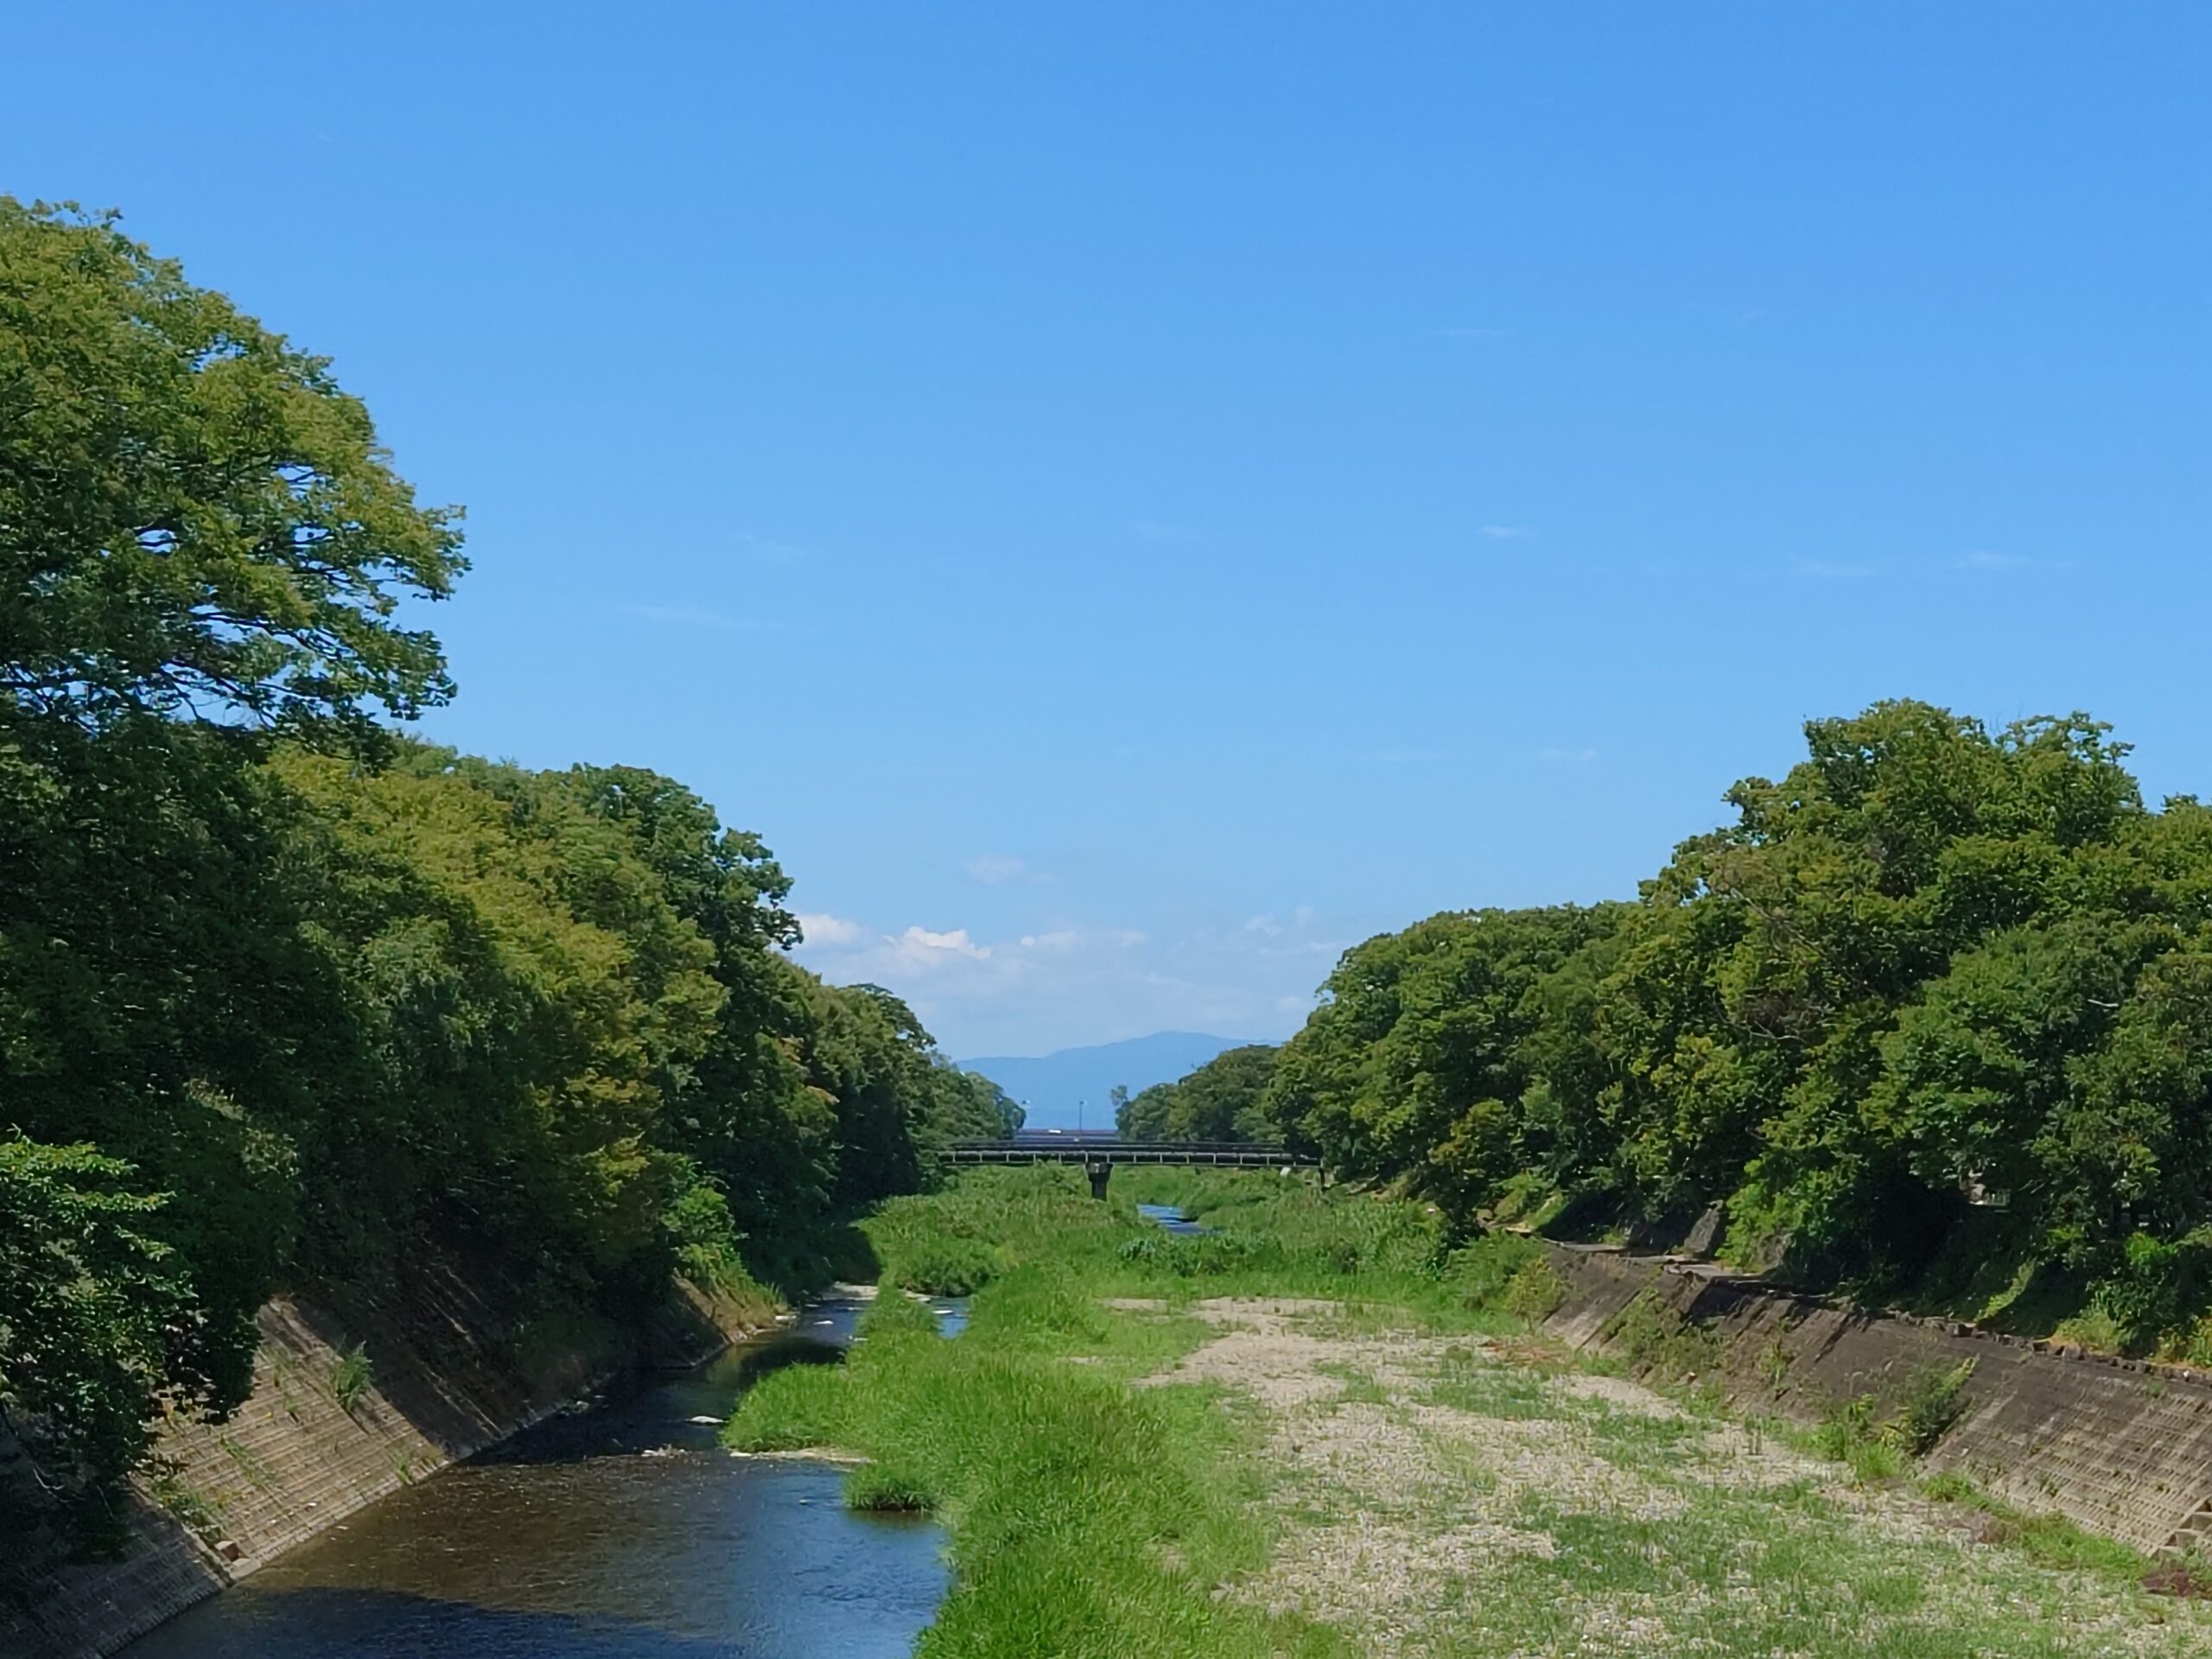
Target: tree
x,y
88,1308
194,517
1218,1101
1417,1029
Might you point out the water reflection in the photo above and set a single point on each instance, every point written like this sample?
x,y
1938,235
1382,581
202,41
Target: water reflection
x,y
619,1530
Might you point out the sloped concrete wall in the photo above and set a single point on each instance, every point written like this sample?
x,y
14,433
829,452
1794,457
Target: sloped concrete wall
x,y
2118,1447
449,1377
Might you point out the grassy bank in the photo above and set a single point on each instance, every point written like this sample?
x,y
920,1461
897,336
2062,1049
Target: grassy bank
x,y
1318,1431
1088,1516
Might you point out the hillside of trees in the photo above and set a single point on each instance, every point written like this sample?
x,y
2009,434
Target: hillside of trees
x,y
1219,1101
1932,1014
287,998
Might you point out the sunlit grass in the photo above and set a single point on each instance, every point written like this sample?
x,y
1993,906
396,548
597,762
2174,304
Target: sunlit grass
x,y
1091,1516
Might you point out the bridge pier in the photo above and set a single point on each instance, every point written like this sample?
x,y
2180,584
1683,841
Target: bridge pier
x,y
1100,1172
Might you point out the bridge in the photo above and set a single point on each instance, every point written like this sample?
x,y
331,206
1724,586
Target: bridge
x,y
1098,1153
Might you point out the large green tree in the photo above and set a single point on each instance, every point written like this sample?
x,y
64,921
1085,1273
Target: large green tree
x,y
193,517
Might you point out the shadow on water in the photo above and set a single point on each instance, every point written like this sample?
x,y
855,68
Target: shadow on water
x,y
682,1409
622,1530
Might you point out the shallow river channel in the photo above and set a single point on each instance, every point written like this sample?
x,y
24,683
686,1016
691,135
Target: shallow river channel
x,y
621,1530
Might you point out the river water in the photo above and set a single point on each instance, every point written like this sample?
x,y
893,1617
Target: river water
x,y
624,1530
1174,1220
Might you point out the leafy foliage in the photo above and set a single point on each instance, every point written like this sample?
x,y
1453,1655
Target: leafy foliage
x,y
287,998
196,517
1934,967
1219,1101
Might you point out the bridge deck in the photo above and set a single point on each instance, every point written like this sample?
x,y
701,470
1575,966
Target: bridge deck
x,y
1082,1149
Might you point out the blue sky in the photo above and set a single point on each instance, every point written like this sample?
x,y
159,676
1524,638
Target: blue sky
x,y
1128,499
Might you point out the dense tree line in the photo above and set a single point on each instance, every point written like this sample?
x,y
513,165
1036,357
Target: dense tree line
x,y
1219,1101
1940,1000
286,997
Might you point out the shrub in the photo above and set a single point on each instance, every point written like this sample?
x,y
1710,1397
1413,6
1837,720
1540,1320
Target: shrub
x,y
1658,1340
2160,1287
1932,1402
1536,1292
947,1266
1484,1272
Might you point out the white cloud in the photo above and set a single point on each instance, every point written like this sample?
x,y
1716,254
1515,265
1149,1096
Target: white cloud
x,y
920,948
1264,924
1302,918
1076,982
823,929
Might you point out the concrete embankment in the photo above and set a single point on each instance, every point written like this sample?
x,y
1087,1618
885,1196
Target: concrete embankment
x,y
325,1432
2121,1448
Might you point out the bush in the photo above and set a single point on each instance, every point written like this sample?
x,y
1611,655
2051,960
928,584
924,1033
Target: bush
x,y
1484,1272
2160,1288
1658,1340
1932,1402
949,1267
1193,1255
1536,1292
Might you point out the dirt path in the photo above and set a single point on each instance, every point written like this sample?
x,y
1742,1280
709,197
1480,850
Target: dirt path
x,y
1462,1497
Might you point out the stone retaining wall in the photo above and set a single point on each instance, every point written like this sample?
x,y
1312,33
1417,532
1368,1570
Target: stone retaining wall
x,y
450,1378
2118,1447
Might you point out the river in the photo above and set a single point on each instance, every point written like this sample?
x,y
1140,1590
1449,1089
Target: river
x,y
621,1530
1174,1220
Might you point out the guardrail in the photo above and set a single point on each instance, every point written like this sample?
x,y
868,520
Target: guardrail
x,y
1094,1149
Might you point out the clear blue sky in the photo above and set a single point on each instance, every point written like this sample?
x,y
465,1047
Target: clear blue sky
x,y
1142,495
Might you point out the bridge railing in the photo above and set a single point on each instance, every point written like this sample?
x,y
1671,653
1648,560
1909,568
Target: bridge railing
x,y
1104,1149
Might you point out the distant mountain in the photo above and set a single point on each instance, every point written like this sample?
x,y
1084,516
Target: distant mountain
x,y
1052,1084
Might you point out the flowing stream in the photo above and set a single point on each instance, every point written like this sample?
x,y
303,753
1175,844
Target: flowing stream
x,y
1174,1220
621,1530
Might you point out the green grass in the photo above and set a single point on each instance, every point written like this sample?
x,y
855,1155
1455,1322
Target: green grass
x,y
1087,1516
351,1376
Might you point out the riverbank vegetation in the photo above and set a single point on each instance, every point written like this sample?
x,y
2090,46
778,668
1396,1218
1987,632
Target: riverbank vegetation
x,y
1221,1100
288,999
1932,1018
1322,1430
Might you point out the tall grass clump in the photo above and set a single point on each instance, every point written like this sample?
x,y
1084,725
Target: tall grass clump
x,y
1086,1517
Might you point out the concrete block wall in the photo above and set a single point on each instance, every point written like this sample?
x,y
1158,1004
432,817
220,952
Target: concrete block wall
x,y
447,1379
2120,1447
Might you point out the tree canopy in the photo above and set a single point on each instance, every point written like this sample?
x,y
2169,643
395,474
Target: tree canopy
x,y
1937,973
289,1000
1219,1101
193,517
